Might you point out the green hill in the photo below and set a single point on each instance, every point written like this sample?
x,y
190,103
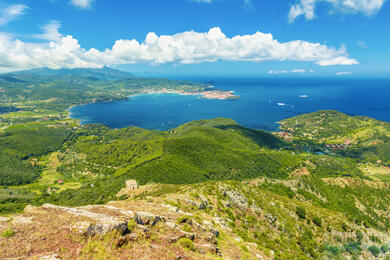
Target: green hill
x,y
358,137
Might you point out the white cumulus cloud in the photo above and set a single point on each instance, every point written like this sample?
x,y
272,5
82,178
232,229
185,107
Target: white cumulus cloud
x,y
11,12
82,3
183,48
307,7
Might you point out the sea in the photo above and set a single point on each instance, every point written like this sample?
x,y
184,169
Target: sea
x,y
263,103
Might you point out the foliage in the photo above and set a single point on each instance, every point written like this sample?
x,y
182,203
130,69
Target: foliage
x,y
301,212
7,233
375,251
186,243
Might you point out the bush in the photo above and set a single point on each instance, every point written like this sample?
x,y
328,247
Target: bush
x,y
8,233
183,219
334,250
359,236
301,212
374,250
186,243
131,225
317,221
375,239
384,248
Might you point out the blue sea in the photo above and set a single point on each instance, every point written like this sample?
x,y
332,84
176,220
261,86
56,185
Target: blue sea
x,y
263,103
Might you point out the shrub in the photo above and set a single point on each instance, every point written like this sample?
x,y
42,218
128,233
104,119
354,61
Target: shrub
x,y
8,233
187,228
317,221
186,243
359,236
384,248
131,225
334,250
183,219
375,239
374,250
301,212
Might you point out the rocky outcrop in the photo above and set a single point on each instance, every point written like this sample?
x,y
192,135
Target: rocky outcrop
x,y
146,218
236,198
100,224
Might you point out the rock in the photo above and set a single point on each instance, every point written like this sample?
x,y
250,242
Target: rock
x,y
209,248
205,203
221,222
30,208
5,219
171,225
182,234
237,198
128,213
270,218
99,229
100,225
146,218
226,204
133,237
21,220
49,257
188,235
171,208
207,223
215,232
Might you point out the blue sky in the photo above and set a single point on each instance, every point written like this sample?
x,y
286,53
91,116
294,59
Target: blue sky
x,y
296,37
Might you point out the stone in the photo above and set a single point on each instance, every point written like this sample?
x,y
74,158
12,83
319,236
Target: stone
x,y
236,198
30,208
171,225
171,208
49,257
146,218
5,219
99,228
100,224
188,235
271,218
215,232
21,220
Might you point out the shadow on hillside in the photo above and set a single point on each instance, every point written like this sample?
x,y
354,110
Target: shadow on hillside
x,y
262,138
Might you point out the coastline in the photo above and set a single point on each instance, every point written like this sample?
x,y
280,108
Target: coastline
x,y
206,94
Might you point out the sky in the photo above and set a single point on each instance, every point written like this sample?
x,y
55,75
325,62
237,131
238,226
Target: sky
x,y
338,38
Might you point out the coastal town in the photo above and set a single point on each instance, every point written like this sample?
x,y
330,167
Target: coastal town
x,y
206,94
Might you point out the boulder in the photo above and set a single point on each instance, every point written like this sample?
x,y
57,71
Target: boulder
x,y
146,218
236,198
100,228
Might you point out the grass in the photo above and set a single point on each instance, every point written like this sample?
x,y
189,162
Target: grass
x,y
7,233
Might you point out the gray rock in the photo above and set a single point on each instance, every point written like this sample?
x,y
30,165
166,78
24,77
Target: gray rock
x,y
236,198
5,219
215,232
146,218
270,218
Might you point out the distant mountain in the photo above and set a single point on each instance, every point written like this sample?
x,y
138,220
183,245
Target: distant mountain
x,y
98,74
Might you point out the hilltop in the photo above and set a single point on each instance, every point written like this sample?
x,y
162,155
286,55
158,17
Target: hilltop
x,y
257,219
353,136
